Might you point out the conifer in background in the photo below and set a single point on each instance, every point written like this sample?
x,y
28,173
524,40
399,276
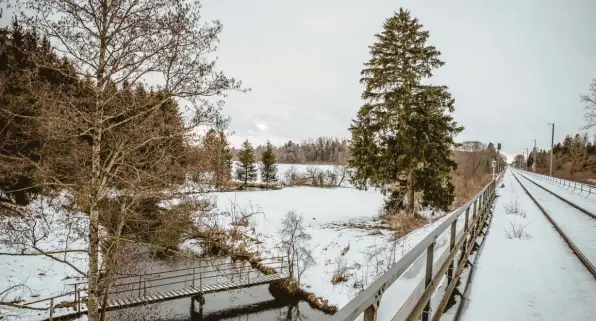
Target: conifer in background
x,y
219,155
247,169
402,138
268,167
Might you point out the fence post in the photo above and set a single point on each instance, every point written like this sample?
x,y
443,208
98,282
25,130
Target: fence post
x,y
79,303
77,299
51,309
370,314
474,212
140,277
466,218
428,278
282,265
193,277
144,287
451,247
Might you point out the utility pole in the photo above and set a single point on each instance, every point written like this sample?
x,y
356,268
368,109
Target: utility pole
x,y
527,157
552,142
534,157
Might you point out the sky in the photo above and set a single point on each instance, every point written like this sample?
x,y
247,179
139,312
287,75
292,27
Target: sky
x,y
512,66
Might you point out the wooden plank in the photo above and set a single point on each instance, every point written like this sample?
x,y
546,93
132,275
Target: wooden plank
x,y
171,293
184,291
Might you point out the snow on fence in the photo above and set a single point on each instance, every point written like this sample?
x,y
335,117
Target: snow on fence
x,y
418,303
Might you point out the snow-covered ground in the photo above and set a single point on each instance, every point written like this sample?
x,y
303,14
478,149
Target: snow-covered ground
x,y
284,169
35,276
534,277
338,220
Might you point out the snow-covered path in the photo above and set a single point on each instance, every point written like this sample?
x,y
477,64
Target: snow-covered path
x,y
533,277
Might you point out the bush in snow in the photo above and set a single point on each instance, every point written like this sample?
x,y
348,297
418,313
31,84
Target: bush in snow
x,y
516,231
515,209
295,245
341,269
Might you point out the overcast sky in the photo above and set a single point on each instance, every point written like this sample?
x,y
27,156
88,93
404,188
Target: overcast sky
x,y
512,65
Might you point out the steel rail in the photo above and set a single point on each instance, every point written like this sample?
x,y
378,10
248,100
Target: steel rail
x,y
569,242
583,210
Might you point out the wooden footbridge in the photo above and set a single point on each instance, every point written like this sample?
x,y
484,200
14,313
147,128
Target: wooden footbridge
x,y
191,282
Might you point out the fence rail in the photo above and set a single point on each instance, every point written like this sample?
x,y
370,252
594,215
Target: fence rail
x,y
418,303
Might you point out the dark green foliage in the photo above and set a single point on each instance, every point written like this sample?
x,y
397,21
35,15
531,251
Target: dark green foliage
x,y
21,137
247,169
403,135
268,167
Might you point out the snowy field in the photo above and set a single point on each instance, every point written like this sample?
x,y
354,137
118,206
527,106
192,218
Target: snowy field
x,y
339,220
283,169
533,277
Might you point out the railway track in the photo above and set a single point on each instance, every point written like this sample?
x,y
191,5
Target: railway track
x,y
575,224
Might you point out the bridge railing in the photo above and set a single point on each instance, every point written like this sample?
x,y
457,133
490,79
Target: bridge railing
x,y
418,304
588,188
143,283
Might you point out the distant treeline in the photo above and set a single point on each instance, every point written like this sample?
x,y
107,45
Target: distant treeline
x,y
323,150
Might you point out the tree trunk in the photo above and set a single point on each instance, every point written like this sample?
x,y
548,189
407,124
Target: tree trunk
x,y
245,176
92,274
410,208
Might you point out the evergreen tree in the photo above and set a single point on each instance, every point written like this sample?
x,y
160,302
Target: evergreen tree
x,y
22,138
268,167
247,170
219,156
403,135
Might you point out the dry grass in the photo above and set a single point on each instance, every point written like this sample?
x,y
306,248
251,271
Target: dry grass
x,y
234,186
341,269
338,279
516,231
243,223
466,188
515,208
580,177
403,223
345,250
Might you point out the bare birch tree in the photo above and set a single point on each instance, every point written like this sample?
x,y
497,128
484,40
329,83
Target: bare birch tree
x,y
294,244
125,140
589,100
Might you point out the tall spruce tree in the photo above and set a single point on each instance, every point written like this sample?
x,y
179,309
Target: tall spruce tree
x,y
403,135
268,167
247,170
219,155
